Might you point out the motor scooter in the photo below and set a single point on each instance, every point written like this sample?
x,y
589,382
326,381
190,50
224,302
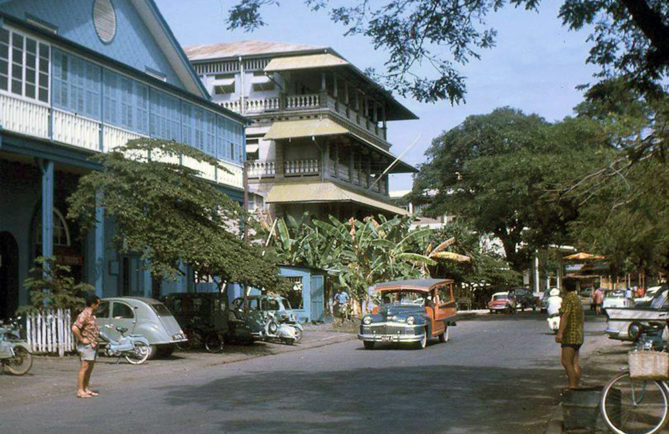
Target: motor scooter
x,y
292,322
135,348
554,303
275,330
15,354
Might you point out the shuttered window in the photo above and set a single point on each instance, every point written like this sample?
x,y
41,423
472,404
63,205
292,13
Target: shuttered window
x,y
165,116
76,85
126,103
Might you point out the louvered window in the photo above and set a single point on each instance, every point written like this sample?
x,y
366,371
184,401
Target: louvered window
x,y
76,84
104,20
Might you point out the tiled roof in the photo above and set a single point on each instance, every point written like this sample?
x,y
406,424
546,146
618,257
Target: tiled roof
x,y
243,48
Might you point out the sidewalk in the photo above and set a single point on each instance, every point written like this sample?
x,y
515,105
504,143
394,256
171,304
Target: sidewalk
x,y
55,376
606,359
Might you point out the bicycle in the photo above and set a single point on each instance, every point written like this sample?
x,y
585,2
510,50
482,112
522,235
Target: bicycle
x,y
631,405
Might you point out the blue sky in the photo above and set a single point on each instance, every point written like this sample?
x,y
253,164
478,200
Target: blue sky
x,y
535,66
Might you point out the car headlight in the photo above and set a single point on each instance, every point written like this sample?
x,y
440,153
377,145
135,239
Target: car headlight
x,y
411,320
367,320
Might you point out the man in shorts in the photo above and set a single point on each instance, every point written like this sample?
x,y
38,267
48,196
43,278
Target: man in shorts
x,y
86,330
570,335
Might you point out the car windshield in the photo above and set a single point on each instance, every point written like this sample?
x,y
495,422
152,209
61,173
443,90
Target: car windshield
x,y
286,304
406,298
161,309
499,297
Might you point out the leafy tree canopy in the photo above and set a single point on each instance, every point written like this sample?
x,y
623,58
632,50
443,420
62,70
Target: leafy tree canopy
x,y
494,171
629,37
165,211
51,285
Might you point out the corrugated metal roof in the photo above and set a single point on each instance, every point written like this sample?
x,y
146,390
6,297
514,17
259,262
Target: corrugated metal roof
x,y
323,192
243,48
292,63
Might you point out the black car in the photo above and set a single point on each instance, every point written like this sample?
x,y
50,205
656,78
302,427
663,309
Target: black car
x,y
524,298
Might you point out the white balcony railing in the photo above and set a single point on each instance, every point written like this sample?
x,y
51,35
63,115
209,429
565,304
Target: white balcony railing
x,y
261,169
32,119
24,117
262,105
301,167
296,102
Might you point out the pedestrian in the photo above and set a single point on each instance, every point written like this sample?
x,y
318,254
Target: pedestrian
x,y
570,335
340,304
86,330
598,298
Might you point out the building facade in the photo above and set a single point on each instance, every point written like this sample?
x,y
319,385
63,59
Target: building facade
x,y
318,138
79,79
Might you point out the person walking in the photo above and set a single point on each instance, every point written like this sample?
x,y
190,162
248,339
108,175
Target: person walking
x,y
87,332
599,300
570,336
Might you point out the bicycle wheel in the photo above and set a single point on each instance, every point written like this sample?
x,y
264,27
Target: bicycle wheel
x,y
634,406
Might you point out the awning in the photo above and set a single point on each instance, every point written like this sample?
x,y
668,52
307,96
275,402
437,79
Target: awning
x,y
304,128
327,127
304,62
260,79
251,149
324,192
224,82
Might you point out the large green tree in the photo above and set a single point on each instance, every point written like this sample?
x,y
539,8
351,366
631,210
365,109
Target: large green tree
x,y
427,41
163,210
624,204
494,171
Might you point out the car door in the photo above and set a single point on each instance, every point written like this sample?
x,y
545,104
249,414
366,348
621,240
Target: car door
x,y
446,307
122,315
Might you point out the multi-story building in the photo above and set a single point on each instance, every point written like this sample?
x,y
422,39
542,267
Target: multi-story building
x,y
318,141
78,78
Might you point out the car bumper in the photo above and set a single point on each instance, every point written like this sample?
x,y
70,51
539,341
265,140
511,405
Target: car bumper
x,y
498,307
390,337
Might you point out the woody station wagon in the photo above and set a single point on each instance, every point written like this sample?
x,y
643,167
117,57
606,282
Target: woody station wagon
x,y
411,311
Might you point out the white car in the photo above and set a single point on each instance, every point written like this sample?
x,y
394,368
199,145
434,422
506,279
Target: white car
x,y
648,296
627,323
616,299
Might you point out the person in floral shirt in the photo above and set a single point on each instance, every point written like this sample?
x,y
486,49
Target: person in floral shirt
x,y
570,335
86,330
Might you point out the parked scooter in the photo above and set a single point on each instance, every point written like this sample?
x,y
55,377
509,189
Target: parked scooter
x,y
15,355
554,303
135,348
292,322
275,330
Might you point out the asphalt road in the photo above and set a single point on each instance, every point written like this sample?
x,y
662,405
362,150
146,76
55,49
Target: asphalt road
x,y
497,374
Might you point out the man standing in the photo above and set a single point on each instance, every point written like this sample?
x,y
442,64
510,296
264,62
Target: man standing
x,y
341,301
570,335
86,330
599,300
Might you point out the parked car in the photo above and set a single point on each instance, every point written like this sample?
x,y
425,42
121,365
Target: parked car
x,y
627,323
259,308
206,319
525,299
410,311
647,297
616,299
500,302
144,316
585,295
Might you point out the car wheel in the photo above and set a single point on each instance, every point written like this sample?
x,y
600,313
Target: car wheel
x,y
369,345
444,336
165,350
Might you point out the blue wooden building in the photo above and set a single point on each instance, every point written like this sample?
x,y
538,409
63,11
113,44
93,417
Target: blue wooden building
x,y
80,77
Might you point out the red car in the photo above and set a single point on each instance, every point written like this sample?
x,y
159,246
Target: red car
x,y
500,302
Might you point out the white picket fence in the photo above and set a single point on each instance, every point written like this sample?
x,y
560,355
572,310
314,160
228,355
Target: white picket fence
x,y
49,331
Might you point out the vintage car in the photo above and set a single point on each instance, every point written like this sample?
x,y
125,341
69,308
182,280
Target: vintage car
x,y
206,319
141,315
410,311
259,307
616,299
627,323
499,302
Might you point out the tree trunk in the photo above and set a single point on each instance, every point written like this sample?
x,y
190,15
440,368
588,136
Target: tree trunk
x,y
156,283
